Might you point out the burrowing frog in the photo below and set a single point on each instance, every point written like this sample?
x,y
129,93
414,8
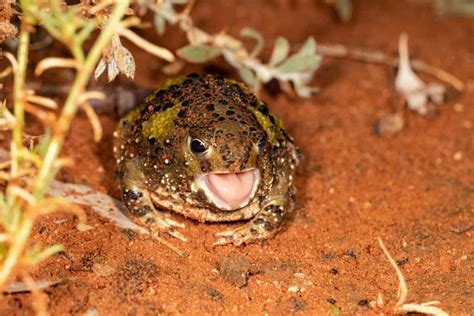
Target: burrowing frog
x,y
207,148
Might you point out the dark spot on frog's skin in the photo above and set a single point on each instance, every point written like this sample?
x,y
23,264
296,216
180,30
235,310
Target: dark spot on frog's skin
x,y
160,93
186,102
221,119
230,112
207,95
151,140
223,102
272,119
168,142
176,94
193,75
167,106
173,88
215,114
210,107
263,109
182,113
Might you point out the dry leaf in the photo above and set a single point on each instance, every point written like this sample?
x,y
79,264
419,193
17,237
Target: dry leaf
x,y
416,93
116,59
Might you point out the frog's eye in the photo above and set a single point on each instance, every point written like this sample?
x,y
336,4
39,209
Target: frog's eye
x,y
197,146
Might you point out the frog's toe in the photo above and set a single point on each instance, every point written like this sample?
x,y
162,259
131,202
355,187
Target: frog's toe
x,y
239,236
160,224
175,234
174,224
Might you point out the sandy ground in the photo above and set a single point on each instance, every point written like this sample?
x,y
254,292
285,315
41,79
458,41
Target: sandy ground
x,y
415,189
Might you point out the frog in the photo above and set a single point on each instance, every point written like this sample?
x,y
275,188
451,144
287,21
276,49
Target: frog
x,y
205,147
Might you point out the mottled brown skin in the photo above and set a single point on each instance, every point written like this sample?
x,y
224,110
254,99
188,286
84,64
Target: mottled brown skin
x,y
157,168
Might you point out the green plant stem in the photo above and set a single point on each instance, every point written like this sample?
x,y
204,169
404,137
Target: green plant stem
x,y
19,98
21,235
16,249
46,173
70,107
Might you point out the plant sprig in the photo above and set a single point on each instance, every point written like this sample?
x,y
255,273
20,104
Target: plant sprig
x,y
24,198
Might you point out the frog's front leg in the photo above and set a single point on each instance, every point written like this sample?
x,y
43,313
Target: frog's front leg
x,y
263,226
139,203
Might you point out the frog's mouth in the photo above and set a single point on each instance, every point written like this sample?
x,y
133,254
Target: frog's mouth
x,y
230,191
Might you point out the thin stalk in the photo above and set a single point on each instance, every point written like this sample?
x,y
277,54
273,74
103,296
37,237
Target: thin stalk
x,y
19,99
16,249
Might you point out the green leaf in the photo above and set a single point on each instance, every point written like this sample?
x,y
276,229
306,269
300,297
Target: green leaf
x,y
250,32
309,47
35,255
300,63
280,51
248,76
200,53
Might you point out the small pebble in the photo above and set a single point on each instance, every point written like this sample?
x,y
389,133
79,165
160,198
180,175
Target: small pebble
x,y
84,227
458,155
295,289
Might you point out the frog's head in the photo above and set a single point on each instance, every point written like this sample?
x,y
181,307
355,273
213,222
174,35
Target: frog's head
x,y
226,157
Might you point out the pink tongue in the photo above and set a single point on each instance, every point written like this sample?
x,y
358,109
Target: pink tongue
x,y
232,188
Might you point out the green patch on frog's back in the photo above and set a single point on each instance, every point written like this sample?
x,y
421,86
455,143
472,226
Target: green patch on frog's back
x,y
160,122
130,117
267,125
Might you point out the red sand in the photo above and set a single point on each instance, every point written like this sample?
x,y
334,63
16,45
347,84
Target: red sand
x,y
352,187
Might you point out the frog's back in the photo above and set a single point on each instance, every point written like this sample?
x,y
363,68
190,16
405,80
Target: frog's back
x,y
206,101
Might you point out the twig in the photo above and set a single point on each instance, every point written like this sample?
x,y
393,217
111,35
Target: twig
x,y
401,307
378,57
402,285
23,216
